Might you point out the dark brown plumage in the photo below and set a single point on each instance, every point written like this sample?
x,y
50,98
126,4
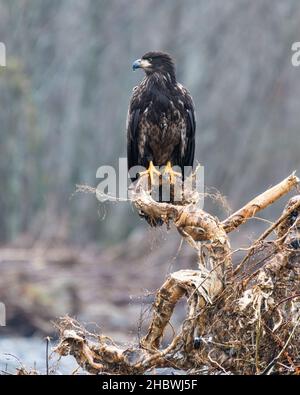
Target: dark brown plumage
x,y
161,122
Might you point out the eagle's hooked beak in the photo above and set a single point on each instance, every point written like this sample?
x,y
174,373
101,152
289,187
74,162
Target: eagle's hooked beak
x,y
140,64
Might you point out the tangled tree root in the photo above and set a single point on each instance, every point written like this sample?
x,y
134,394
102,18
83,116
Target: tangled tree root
x,y
244,321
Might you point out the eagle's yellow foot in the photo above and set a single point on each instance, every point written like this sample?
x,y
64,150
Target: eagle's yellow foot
x,y
151,171
172,174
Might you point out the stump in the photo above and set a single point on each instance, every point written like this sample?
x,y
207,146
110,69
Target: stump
x,y
241,321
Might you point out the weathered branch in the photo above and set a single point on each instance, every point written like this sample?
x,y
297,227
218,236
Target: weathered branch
x,y
200,287
260,202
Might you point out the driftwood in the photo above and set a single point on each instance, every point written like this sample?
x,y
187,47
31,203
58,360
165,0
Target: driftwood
x,y
234,324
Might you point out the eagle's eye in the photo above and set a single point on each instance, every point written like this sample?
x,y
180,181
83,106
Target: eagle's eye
x,y
149,60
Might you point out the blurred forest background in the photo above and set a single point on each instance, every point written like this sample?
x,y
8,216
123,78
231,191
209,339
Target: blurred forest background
x,y
63,105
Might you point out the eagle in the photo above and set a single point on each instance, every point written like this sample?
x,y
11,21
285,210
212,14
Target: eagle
x,y
161,119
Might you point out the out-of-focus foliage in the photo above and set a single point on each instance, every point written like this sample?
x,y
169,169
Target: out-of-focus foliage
x,y
65,91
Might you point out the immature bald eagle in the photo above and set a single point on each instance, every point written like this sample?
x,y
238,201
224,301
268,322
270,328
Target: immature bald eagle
x,y
161,122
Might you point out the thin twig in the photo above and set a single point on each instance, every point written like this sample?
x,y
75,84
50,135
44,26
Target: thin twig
x,y
274,360
47,355
266,233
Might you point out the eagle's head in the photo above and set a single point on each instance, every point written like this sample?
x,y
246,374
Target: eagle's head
x,y
156,62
